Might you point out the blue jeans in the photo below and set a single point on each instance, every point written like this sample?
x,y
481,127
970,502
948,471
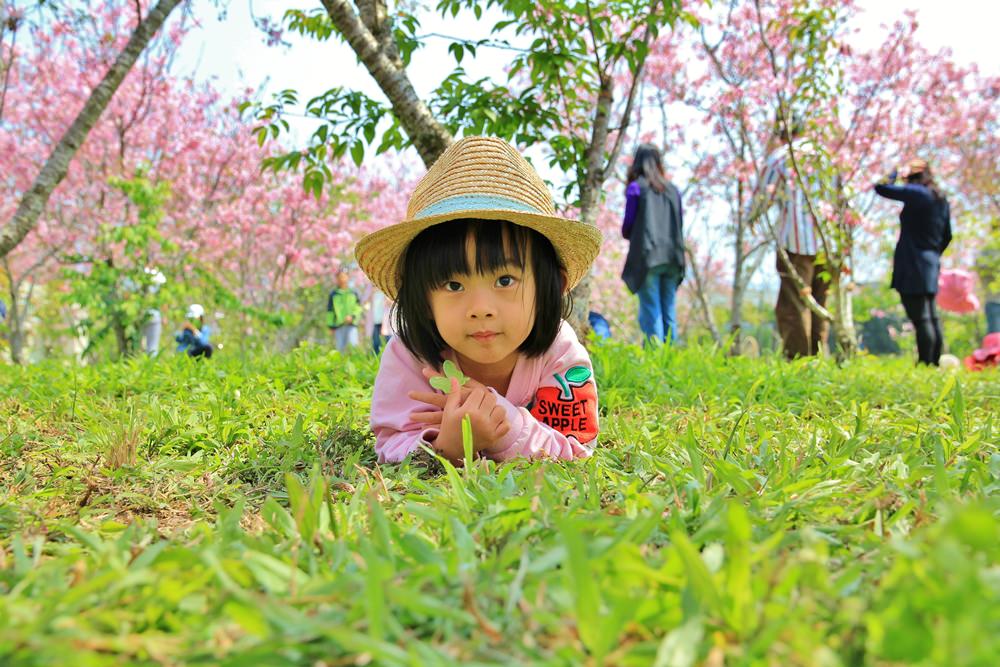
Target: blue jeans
x,y
993,317
377,338
657,303
345,336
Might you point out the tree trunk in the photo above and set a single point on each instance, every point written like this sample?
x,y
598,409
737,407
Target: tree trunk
x,y
590,189
590,192
121,340
739,288
14,320
54,170
381,59
15,327
844,333
701,294
736,310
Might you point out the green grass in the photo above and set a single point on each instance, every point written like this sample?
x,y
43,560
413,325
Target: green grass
x,y
738,512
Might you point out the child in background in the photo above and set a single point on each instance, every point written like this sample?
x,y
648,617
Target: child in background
x,y
480,271
343,312
194,335
376,303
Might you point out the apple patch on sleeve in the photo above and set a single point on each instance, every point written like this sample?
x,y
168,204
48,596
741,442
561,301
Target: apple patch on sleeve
x,y
570,408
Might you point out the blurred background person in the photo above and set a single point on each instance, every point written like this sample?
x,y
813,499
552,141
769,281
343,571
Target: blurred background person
x,y
654,226
343,313
194,336
924,233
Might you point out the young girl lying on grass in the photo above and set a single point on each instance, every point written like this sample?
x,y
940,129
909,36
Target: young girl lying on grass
x,y
481,271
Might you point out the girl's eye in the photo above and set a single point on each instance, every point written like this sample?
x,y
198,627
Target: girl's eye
x,y
506,281
452,286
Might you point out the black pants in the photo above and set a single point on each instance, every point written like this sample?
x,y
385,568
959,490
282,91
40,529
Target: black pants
x,y
922,312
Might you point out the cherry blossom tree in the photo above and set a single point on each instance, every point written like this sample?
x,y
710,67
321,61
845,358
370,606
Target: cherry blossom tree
x,y
255,243
33,200
49,74
748,69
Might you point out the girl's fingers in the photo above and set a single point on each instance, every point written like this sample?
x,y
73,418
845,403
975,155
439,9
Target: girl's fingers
x,y
429,397
475,400
498,415
454,398
473,384
426,417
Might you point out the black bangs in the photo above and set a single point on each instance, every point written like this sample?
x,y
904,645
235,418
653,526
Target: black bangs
x,y
443,248
440,253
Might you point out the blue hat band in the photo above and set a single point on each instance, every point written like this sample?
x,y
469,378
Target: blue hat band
x,y
472,203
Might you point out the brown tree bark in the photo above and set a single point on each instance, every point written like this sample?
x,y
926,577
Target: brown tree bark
x,y
598,169
54,170
369,33
701,293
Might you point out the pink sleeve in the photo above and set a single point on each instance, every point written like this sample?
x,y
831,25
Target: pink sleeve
x,y
396,436
561,421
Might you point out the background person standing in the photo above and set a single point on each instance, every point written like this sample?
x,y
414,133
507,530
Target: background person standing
x,y
988,268
654,225
803,333
924,233
376,304
343,311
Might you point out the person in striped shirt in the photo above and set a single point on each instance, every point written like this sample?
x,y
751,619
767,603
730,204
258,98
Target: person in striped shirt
x,y
803,333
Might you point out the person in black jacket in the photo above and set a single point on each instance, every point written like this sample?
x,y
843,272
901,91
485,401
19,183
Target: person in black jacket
x,y
925,232
654,226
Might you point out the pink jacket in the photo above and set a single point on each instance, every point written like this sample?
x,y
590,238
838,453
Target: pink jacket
x,y
551,403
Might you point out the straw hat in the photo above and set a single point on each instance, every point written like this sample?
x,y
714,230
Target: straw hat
x,y
484,178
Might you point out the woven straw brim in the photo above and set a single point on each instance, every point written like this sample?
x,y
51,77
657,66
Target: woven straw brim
x,y
380,253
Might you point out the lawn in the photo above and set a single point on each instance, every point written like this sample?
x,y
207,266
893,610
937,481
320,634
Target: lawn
x,y
738,512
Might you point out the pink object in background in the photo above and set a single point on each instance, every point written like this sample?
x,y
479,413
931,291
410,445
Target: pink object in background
x,y
955,291
986,356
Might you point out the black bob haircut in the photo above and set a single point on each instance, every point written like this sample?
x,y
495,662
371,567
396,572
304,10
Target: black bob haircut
x,y
439,253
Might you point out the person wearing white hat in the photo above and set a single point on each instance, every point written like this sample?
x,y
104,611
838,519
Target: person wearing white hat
x,y
480,272
194,336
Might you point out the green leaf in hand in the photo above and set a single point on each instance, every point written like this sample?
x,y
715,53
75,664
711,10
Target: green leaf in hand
x,y
467,444
443,382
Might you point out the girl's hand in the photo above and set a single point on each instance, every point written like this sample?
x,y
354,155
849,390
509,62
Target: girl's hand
x,y
488,420
436,399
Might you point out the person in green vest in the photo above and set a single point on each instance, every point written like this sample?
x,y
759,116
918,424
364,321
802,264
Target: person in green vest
x,y
343,312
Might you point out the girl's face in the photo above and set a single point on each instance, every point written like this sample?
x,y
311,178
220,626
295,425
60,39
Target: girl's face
x,y
485,318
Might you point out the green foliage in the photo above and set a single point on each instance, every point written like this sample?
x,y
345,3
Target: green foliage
x,y
443,382
552,85
988,261
121,283
737,511
576,51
